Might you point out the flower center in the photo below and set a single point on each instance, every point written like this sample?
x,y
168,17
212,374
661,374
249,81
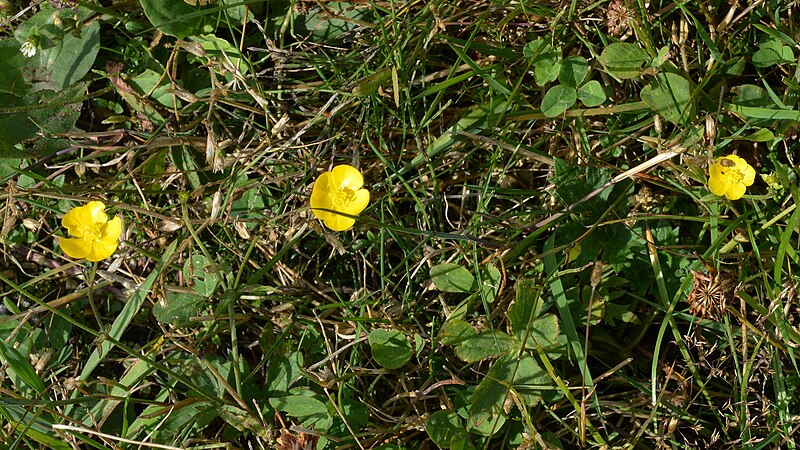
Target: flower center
x,y
90,232
734,176
342,197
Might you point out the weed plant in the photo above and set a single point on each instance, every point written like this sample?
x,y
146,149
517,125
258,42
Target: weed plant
x,y
541,264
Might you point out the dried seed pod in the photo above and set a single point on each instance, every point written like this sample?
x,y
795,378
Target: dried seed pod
x,y
712,293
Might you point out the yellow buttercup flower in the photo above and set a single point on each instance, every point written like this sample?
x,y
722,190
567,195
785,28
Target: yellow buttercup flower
x,y
93,236
339,190
730,176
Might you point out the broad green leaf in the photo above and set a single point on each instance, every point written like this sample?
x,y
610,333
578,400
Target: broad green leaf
x,y
751,95
240,419
11,63
527,307
573,71
455,332
462,441
37,118
180,307
670,96
324,25
63,57
175,17
221,52
487,344
761,135
146,82
302,407
472,346
592,94
283,371
523,374
20,366
624,60
558,99
772,52
201,271
390,349
442,426
73,59
543,332
449,277
544,59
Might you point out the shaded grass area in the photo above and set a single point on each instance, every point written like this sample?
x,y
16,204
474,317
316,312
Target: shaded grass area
x,y
539,216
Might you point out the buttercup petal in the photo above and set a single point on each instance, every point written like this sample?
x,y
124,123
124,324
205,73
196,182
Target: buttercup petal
x,y
337,222
359,203
97,212
321,196
76,219
112,230
716,170
75,247
719,185
735,191
748,175
346,176
101,250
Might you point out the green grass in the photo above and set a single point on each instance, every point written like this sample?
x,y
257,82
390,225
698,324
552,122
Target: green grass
x,y
539,200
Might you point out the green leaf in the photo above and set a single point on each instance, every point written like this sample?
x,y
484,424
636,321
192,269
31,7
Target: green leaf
x,y
670,96
299,406
573,71
761,135
592,94
324,25
40,115
449,277
455,332
522,374
61,58
175,17
557,100
751,95
772,52
491,278
370,84
310,411
180,307
471,346
11,63
442,426
487,344
624,60
544,59
201,271
543,333
73,59
240,419
39,427
527,306
20,366
390,349
221,52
